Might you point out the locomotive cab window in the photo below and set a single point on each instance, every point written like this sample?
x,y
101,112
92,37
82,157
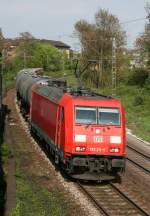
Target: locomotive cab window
x,y
85,115
108,116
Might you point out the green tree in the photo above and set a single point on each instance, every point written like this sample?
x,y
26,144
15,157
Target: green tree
x,y
35,54
26,36
143,41
143,45
47,57
1,40
96,41
32,54
138,77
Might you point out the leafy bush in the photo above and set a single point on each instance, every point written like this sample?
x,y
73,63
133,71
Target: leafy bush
x,y
38,55
32,54
138,101
138,77
147,84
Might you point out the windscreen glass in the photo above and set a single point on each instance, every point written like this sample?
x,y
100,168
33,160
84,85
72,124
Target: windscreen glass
x,y
85,115
108,116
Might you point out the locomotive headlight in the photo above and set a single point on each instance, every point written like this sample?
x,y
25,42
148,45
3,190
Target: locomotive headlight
x,y
115,139
114,150
80,138
80,148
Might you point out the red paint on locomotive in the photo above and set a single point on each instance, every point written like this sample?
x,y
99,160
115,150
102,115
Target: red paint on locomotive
x,y
71,136
85,131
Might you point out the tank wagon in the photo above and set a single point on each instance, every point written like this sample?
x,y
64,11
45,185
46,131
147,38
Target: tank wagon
x,y
24,81
85,131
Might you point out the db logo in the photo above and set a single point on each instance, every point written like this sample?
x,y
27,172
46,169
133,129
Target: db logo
x,y
97,139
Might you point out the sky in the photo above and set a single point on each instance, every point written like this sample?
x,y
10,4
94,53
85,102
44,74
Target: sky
x,y
55,19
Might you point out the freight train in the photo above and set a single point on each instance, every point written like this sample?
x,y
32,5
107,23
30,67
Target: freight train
x,y
85,131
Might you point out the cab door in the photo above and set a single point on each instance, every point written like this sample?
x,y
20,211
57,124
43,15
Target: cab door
x,y
60,128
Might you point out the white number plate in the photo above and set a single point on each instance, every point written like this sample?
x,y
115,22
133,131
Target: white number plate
x,y
101,150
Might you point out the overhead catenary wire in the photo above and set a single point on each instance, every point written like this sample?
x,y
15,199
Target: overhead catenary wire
x,y
134,20
121,23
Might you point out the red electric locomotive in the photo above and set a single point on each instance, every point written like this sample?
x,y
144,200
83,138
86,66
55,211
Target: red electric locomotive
x,y
85,131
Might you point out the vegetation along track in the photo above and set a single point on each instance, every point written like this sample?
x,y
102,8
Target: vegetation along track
x,y
111,201
139,159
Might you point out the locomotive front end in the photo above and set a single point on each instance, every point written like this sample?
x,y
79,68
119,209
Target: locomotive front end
x,y
98,150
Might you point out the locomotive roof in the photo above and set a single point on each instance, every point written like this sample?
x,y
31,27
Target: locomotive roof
x,y
56,93
53,88
53,93
87,94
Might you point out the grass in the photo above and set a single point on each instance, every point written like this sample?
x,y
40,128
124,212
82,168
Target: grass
x,y
2,180
68,74
136,102
33,200
3,157
32,194
5,153
137,115
9,80
32,197
137,111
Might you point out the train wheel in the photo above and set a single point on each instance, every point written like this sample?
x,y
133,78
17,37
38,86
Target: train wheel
x,y
32,131
56,159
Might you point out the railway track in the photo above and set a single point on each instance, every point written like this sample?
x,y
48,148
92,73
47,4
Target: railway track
x,y
111,201
138,159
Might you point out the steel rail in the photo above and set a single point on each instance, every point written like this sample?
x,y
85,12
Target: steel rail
x,y
139,166
129,200
138,152
102,209
120,193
